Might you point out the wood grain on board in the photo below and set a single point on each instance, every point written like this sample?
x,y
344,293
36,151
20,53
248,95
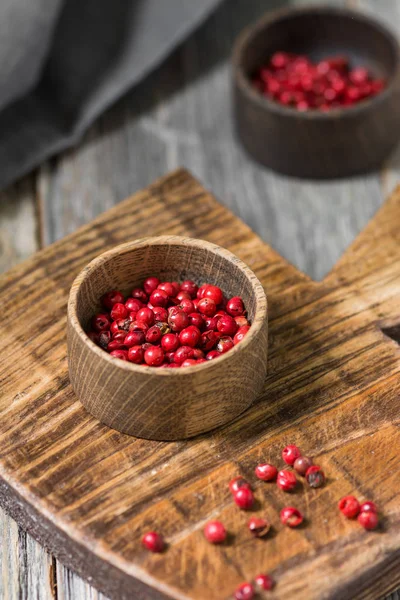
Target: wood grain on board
x,y
333,384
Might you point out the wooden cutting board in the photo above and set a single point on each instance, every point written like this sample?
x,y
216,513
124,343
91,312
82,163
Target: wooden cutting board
x,y
88,493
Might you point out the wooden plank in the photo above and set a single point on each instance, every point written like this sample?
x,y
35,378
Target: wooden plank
x,y
339,402
25,566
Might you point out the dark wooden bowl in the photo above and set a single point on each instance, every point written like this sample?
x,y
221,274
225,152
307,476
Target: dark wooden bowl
x,y
166,404
316,144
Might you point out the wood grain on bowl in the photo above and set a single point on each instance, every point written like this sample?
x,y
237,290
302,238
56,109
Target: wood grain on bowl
x,y
333,388
159,403
314,144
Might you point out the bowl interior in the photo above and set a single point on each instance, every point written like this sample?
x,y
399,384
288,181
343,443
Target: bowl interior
x,y
128,266
319,33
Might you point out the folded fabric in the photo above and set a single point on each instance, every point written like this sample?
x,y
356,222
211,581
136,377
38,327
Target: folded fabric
x,y
63,62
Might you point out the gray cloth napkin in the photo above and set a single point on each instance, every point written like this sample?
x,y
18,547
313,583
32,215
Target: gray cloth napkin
x,y
63,62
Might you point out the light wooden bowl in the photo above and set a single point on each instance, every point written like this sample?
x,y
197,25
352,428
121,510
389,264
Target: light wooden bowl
x,y
166,404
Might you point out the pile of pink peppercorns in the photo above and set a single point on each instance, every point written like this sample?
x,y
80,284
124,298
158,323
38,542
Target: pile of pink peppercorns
x,y
294,80
241,490
169,325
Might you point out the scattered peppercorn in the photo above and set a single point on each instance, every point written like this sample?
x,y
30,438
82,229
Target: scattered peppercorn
x,y
349,506
290,454
291,516
245,591
286,481
368,520
258,527
293,80
244,498
266,472
215,532
174,325
315,476
153,541
301,465
264,582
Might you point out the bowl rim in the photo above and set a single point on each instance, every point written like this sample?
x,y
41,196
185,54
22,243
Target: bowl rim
x,y
271,17
261,309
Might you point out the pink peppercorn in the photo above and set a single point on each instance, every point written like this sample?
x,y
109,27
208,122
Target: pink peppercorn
x,y
264,582
368,520
290,454
215,532
349,506
153,541
266,472
244,498
291,516
286,481
245,591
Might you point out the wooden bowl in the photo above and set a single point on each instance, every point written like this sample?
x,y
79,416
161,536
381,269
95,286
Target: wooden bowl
x,y
166,404
316,144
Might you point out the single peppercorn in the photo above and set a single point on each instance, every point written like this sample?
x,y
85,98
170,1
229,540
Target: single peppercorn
x,y
349,506
154,356
159,298
291,516
286,481
264,582
245,591
215,532
302,464
154,335
240,334
207,307
178,320
290,454
190,336
133,305
214,293
136,355
151,284
153,541
315,476
182,354
244,498
368,520
266,472
170,342
235,307
258,527
145,315
101,322
119,311
186,305
197,320
225,344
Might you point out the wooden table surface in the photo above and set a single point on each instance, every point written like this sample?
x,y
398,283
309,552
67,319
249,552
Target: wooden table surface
x,y
180,116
